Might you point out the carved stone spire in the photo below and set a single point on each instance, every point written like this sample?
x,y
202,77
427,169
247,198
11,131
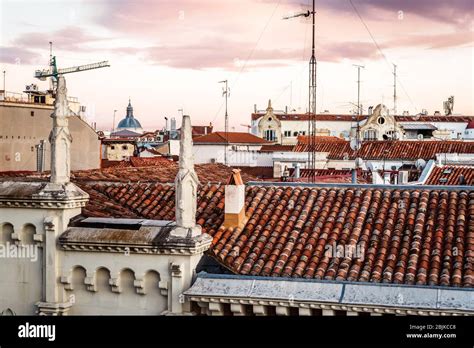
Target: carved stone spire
x,y
60,138
186,183
269,108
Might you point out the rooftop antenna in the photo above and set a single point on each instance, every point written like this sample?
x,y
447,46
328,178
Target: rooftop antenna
x,y
312,96
359,113
226,94
394,90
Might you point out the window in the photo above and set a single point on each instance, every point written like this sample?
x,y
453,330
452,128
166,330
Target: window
x,y
303,132
295,134
370,134
112,147
381,120
287,133
32,113
269,135
124,147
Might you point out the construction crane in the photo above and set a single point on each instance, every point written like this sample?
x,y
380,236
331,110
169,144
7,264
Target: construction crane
x,y
54,72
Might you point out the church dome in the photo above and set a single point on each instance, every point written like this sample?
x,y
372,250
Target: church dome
x,y
129,122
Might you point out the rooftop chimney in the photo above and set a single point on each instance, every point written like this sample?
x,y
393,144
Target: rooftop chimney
x,y
297,171
186,184
60,138
235,201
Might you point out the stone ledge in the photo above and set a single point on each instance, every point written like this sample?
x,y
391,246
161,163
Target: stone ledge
x,y
42,195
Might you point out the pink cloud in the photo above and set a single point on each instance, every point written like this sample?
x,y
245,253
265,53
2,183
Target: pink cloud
x,y
69,38
18,55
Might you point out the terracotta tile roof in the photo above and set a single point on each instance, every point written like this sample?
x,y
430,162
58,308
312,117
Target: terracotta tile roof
x,y
233,138
152,201
277,148
149,161
434,118
348,118
408,236
470,125
108,164
165,172
389,149
450,175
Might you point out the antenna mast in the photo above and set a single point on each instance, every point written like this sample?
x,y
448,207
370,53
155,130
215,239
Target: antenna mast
x,y
359,108
225,93
312,97
394,90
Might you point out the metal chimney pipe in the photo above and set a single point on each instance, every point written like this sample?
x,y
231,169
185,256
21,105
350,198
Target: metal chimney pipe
x,y
354,176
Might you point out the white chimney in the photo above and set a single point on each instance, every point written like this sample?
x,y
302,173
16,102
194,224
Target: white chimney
x,y
297,171
234,211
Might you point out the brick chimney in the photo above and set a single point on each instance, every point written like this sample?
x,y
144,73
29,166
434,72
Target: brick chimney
x,y
235,201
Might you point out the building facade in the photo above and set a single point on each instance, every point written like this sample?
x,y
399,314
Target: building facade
x,y
24,132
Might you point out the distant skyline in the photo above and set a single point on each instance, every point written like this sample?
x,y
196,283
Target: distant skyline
x,y
168,55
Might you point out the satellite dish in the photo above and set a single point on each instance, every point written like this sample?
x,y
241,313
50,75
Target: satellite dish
x,y
359,162
370,166
345,157
420,136
355,144
420,163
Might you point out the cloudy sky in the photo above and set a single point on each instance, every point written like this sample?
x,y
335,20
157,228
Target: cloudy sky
x,y
170,54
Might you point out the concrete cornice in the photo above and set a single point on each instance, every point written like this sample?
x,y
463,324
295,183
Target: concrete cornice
x,y
42,195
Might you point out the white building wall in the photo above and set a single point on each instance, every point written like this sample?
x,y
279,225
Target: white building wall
x,y
120,283
237,155
469,133
22,280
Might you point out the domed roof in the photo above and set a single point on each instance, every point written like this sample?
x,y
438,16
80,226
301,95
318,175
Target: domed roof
x,y
129,121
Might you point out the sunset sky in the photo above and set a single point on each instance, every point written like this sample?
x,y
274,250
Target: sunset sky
x,y
170,54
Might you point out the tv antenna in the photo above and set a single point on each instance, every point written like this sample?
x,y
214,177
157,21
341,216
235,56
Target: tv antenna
x,y
312,96
226,94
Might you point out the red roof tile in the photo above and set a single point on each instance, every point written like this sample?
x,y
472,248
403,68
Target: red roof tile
x,y
149,161
406,235
165,172
450,175
233,138
389,149
277,148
